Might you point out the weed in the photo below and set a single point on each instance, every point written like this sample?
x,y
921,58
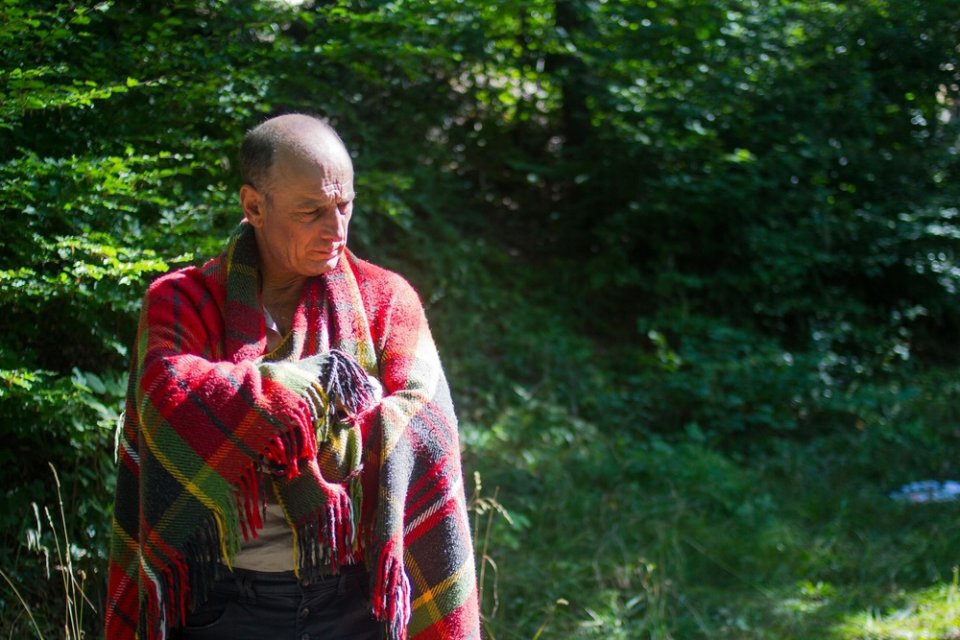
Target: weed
x,y
486,507
72,579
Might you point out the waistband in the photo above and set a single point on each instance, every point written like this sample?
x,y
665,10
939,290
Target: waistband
x,y
248,582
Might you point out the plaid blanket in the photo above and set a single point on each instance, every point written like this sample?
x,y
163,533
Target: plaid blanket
x,y
211,422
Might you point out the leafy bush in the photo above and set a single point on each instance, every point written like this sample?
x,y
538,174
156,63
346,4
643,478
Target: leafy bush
x,y
669,249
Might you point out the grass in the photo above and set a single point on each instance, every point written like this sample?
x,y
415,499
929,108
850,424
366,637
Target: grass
x,y
630,536
928,614
587,530
586,536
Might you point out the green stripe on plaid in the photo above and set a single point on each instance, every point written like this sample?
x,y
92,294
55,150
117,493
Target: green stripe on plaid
x,y
196,430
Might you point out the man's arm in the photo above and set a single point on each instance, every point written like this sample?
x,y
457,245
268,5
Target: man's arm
x,y
226,412
419,461
198,421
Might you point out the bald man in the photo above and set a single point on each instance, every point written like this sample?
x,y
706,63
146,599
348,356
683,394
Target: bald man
x,y
289,459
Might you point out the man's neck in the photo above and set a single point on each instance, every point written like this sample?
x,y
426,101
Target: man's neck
x,y
281,295
279,288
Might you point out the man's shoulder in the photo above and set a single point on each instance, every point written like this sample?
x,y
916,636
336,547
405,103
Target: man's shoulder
x,y
192,281
380,279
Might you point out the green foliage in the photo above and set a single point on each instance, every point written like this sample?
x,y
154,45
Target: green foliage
x,y
690,266
636,536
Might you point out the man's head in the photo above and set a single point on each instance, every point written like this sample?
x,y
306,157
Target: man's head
x,y
297,194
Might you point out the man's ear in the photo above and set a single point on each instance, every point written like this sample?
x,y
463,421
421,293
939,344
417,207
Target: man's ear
x,y
252,202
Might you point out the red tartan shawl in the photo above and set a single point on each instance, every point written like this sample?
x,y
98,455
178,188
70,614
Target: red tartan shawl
x,y
206,410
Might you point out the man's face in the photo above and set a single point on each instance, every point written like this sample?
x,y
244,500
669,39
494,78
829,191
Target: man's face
x,y
302,214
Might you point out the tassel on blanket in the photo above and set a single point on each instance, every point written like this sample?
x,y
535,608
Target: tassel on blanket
x,y
345,381
356,497
248,498
328,540
283,453
188,585
391,591
168,604
203,556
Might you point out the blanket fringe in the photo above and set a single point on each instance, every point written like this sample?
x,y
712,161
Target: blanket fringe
x,y
248,494
325,543
345,380
188,579
167,606
329,541
356,499
283,453
391,591
203,560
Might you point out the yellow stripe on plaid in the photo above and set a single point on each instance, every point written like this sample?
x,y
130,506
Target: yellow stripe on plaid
x,y
129,559
194,489
429,606
172,469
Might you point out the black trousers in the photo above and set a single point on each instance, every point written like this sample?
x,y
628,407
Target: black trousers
x,y
252,605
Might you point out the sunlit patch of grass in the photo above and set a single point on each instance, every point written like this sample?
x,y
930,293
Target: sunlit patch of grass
x,y
930,614
810,597
674,540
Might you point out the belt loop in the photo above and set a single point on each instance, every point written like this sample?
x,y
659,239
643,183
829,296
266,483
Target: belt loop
x,y
245,585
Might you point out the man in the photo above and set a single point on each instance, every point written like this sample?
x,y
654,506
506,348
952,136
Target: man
x,y
289,460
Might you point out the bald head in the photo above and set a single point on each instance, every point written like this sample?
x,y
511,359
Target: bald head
x,y
298,197
292,138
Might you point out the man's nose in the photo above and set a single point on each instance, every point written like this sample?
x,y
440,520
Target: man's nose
x,y
331,224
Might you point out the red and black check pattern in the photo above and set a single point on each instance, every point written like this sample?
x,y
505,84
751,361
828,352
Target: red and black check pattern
x,y
206,410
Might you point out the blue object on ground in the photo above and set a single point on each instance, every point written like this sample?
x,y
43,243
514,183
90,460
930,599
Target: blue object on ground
x,y
928,491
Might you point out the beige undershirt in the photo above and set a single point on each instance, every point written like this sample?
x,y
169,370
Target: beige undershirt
x,y
272,549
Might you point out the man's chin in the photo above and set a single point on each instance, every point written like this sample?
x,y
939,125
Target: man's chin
x,y
320,267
